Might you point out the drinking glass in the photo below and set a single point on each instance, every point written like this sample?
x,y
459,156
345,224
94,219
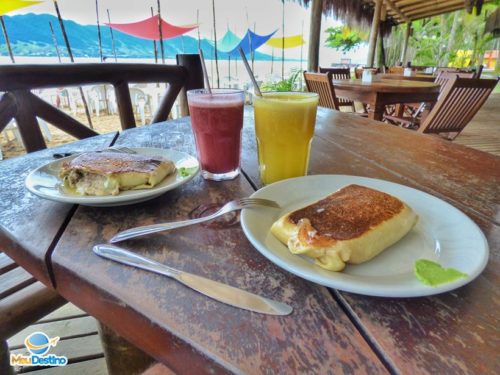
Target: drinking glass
x,y
217,120
284,126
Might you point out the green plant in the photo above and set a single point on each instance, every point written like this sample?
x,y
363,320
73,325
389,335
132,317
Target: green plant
x,y
289,84
344,38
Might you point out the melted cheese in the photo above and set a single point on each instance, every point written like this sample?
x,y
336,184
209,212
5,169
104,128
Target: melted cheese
x,y
109,173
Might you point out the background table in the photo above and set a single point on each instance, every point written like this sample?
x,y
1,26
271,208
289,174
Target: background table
x,y
385,92
329,331
417,77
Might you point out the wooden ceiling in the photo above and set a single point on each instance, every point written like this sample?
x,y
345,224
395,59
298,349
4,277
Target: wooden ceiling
x,y
402,11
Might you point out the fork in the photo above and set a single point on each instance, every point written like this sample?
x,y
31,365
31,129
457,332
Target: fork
x,y
119,149
234,205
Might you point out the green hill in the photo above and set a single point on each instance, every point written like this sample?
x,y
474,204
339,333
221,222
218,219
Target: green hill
x,y
30,35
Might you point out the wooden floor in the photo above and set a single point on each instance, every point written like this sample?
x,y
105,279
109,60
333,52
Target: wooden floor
x,y
483,132
79,341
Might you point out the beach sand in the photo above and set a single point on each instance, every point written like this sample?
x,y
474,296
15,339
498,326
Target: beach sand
x,y
102,124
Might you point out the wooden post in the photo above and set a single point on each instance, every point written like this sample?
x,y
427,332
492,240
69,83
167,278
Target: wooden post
x,y
112,36
99,37
194,81
160,34
4,29
272,61
70,53
252,52
405,44
283,43
121,356
374,33
198,28
5,367
215,45
380,52
54,39
154,42
314,35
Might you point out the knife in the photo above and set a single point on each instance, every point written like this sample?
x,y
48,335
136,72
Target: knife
x,y
213,289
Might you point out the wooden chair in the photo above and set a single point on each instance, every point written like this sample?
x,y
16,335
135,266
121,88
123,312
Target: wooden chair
x,y
459,101
23,301
321,83
396,70
358,73
443,77
479,71
20,103
340,73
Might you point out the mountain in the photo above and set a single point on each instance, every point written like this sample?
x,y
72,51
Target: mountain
x,y
30,35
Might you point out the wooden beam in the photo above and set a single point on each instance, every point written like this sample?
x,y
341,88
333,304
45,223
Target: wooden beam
x,y
374,33
412,7
390,4
8,109
124,102
27,123
314,35
435,8
59,119
435,13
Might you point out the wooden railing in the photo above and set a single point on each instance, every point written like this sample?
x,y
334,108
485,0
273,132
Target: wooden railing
x,y
17,81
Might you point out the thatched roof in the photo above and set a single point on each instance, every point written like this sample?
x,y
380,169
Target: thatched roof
x,y
360,12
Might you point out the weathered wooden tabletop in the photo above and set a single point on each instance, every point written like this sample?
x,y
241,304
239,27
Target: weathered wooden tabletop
x,y
379,94
329,331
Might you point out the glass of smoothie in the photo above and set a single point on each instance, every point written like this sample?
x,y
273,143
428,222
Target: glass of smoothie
x,y
284,127
217,120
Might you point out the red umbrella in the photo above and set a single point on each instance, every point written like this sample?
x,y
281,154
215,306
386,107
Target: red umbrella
x,y
148,29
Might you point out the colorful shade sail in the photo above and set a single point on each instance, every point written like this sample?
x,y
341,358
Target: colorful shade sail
x,y
148,29
290,41
250,42
7,6
228,42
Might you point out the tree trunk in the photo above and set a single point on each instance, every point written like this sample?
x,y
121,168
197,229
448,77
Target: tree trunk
x,y
314,35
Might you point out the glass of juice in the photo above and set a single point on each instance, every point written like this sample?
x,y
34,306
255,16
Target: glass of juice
x,y
284,127
217,120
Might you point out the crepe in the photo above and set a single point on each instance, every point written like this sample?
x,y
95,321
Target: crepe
x,y
108,173
351,225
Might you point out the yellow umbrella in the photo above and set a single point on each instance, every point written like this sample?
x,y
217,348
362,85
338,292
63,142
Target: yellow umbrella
x,y
290,41
7,6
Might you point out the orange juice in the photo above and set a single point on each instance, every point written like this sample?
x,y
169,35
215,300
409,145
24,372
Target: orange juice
x,y
284,126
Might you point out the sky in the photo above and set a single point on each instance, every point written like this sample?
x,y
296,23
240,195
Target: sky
x,y
238,15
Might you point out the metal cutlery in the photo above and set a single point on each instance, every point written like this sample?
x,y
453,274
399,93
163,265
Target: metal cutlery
x,y
234,205
119,149
213,289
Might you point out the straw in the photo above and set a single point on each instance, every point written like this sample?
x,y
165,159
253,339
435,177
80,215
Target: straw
x,y
205,74
250,73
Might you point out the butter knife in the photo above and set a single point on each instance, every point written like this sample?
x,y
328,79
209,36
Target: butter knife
x,y
213,289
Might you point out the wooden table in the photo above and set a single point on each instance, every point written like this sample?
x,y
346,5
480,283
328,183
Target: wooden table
x,y
418,77
330,331
385,92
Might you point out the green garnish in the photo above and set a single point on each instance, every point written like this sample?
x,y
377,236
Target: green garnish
x,y
433,274
185,172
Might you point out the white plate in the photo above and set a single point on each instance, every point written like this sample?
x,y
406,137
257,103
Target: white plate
x,y
443,234
45,182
